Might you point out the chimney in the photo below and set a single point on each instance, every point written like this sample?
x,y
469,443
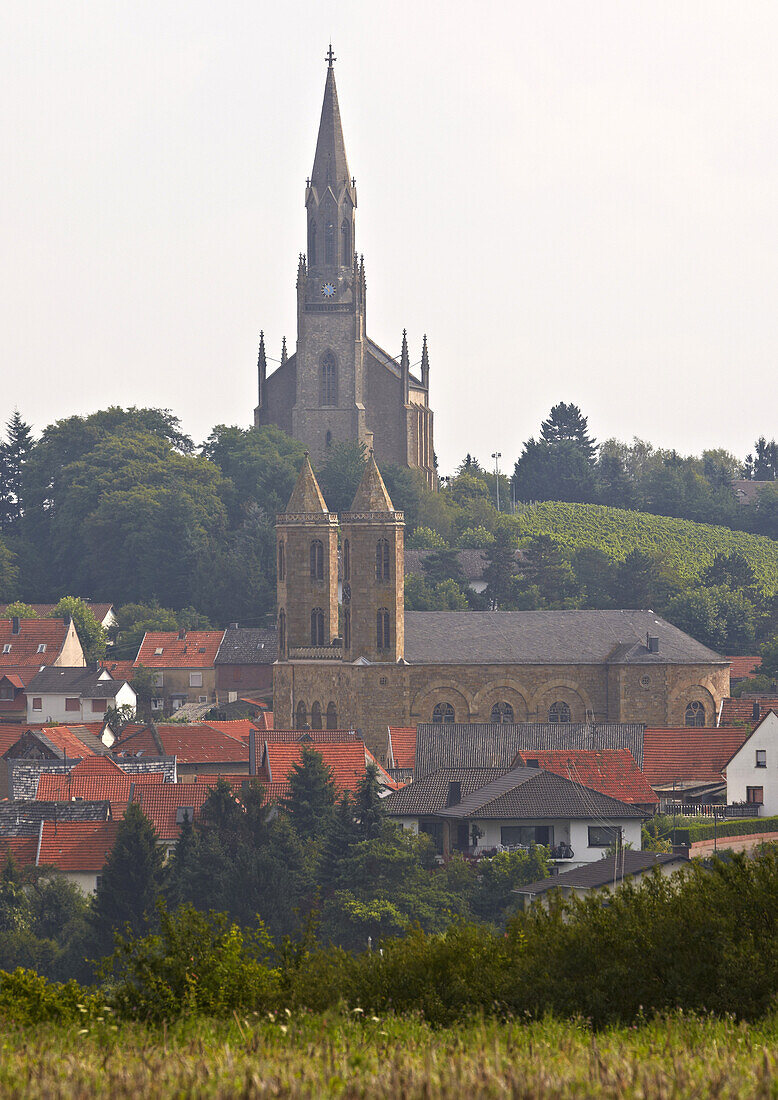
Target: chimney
x,y
252,751
234,626
15,624
454,794
181,635
652,644
755,710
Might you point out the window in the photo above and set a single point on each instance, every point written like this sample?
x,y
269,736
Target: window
x,y
158,679
761,758
346,560
317,626
559,712
301,721
281,561
502,713
328,440
347,629
382,628
158,651
317,560
202,698
195,679
755,795
345,240
282,633
332,716
329,379
7,647
443,712
604,836
156,704
42,647
695,714
526,835
312,242
72,704
37,703
98,706
6,691
382,560
315,716
329,244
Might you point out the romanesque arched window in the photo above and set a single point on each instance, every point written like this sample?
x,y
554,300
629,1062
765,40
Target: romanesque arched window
x,y
695,714
316,716
329,379
282,634
347,629
329,244
301,717
442,712
281,561
382,560
345,242
382,628
312,242
317,626
332,716
317,560
502,713
559,712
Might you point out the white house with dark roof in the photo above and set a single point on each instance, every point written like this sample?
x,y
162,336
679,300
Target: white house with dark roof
x,y
752,773
605,874
75,695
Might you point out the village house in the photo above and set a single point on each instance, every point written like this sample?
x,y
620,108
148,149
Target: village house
x,y
27,646
75,695
103,612
752,770
244,663
605,874
183,666
687,766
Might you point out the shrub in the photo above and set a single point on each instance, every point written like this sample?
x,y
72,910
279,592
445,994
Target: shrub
x,y
27,998
705,830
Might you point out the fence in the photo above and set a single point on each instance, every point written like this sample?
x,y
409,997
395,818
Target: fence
x,y
691,809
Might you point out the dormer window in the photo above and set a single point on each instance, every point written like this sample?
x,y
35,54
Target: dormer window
x,y
158,652
42,647
7,647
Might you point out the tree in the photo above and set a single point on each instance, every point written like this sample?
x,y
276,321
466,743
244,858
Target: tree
x,y
15,452
261,465
642,581
719,617
90,632
341,474
369,810
442,565
311,794
595,573
424,538
545,567
554,471
567,423
733,570
763,464
19,610
447,595
129,886
500,570
342,832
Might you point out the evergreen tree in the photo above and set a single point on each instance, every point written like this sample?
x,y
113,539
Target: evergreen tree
x,y
500,570
733,570
567,422
311,795
643,582
15,452
342,833
369,808
130,883
442,565
546,568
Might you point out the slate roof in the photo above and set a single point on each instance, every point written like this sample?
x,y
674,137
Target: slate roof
x,y
548,638
689,755
593,875
306,496
371,494
197,649
471,745
24,645
77,846
248,646
22,817
430,794
609,771
471,562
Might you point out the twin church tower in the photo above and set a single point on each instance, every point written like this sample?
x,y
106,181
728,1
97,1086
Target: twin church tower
x,y
339,385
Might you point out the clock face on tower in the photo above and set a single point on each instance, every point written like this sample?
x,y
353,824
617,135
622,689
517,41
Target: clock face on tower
x,y
328,289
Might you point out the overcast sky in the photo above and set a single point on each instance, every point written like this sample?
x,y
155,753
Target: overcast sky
x,y
576,201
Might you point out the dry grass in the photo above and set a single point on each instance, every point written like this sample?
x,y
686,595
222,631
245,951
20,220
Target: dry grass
x,y
398,1059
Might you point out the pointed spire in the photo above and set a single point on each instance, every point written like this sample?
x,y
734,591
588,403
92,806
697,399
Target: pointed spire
x,y
306,495
372,495
405,369
284,356
329,164
425,364
261,367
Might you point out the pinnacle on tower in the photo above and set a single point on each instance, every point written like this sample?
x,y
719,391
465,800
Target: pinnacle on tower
x,y
284,356
405,369
372,494
329,164
306,495
425,364
261,367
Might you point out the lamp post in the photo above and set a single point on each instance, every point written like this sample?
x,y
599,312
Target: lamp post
x,y
496,455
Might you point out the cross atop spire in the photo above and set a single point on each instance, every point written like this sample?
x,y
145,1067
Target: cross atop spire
x,y
330,57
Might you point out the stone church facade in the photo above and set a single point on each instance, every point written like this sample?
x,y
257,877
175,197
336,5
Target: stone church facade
x,y
368,664
338,384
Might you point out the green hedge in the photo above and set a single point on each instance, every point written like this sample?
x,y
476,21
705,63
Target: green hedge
x,y
742,827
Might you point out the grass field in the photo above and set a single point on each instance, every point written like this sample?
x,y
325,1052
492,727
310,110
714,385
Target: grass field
x,y
399,1059
688,547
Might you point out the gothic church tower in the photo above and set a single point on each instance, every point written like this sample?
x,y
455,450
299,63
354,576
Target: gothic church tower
x,y
339,385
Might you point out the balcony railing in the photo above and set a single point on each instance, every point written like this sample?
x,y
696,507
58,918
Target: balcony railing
x,y
691,809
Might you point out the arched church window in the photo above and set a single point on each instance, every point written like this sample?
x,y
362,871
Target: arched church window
x,y
281,561
559,712
332,716
316,716
317,626
329,244
442,712
347,629
382,560
346,560
329,380
301,718
282,633
345,240
382,628
695,714
502,714
312,242
317,560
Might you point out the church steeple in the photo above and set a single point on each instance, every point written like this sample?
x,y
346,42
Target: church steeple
x,y
261,369
331,194
330,167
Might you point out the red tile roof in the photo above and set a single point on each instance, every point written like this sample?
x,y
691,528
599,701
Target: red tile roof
x,y
10,732
197,649
195,743
403,740
740,712
24,645
22,848
741,668
77,845
345,758
64,738
96,778
688,755
609,771
264,720
120,670
160,803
